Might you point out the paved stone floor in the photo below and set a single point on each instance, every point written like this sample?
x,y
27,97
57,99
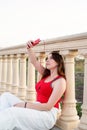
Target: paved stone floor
x,y
55,128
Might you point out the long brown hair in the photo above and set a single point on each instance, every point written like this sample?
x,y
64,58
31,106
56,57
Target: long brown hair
x,y
61,68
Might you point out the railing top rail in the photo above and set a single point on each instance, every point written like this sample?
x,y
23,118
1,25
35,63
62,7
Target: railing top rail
x,y
71,42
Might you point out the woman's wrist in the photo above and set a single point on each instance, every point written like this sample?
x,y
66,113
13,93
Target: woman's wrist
x,y
25,105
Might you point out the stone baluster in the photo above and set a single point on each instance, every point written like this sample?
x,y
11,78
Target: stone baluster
x,y
31,94
41,59
3,74
22,79
83,120
0,69
15,74
9,73
69,119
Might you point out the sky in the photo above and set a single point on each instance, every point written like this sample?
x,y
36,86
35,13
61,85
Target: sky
x,y
23,20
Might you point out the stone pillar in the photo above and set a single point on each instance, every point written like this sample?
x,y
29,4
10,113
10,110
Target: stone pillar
x,y
9,73
41,59
31,94
0,69
22,79
83,121
69,119
3,74
15,74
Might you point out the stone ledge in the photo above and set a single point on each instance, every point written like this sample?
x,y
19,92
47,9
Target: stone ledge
x,y
55,128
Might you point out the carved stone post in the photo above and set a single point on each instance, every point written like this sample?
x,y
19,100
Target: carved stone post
x,y
0,69
69,119
31,94
22,79
9,73
83,121
15,74
3,74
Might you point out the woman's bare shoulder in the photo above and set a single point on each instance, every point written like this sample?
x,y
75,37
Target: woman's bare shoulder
x,y
59,82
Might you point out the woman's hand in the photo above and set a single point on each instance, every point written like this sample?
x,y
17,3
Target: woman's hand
x,y
32,43
29,44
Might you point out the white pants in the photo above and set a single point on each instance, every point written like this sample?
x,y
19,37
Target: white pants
x,y
14,118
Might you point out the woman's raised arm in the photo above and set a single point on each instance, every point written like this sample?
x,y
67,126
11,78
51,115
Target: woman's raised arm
x,y
33,59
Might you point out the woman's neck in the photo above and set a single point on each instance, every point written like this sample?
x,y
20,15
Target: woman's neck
x,y
53,73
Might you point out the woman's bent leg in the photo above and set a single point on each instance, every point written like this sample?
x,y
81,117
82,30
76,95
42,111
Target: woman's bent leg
x,y
15,118
8,100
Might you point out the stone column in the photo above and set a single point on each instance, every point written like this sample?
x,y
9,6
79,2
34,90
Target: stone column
x,y
15,74
41,59
83,121
3,74
0,69
69,119
22,79
31,94
9,73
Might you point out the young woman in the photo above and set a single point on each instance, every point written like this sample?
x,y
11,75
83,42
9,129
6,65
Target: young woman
x,y
41,115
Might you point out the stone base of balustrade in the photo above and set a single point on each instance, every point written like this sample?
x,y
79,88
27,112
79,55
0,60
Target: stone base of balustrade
x,y
55,128
67,125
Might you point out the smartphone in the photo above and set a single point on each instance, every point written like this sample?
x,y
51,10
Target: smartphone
x,y
36,42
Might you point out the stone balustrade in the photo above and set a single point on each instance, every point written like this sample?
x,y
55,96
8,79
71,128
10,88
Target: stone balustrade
x,y
18,76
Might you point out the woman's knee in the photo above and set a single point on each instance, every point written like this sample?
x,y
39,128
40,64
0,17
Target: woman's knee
x,y
5,94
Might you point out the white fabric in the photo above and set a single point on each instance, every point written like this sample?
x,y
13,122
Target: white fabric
x,y
7,100
14,118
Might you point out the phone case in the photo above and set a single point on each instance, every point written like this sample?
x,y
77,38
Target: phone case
x,y
36,42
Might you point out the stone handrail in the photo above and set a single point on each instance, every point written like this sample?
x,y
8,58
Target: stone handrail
x,y
17,75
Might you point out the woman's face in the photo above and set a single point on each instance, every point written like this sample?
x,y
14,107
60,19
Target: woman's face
x,y
50,62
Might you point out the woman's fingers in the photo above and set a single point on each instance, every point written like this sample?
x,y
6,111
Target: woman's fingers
x,y
29,44
32,43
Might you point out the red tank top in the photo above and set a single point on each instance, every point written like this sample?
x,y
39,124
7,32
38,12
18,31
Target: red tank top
x,y
44,90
